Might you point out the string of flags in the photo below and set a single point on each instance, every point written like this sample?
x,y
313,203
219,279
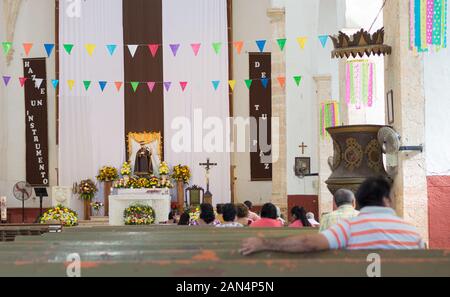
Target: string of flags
x,y
428,24
151,84
155,48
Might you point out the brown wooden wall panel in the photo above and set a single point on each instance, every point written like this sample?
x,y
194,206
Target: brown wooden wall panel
x,y
309,202
142,25
260,107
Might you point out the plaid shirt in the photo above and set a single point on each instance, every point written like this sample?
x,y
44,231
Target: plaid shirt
x,y
344,212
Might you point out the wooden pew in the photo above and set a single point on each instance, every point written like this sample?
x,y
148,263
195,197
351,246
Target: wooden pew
x,y
8,232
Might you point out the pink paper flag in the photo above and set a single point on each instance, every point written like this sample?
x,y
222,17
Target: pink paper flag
x,y
22,81
370,87
118,85
196,48
151,86
430,16
347,84
183,85
153,49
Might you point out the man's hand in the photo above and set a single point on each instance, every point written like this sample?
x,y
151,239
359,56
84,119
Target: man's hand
x,y
251,246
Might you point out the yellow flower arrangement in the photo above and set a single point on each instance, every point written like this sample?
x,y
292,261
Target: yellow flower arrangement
x,y
107,173
64,215
181,173
87,189
126,169
139,214
164,168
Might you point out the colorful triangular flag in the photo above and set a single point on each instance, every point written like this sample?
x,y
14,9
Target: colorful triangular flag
x,y
265,82
118,85
27,47
302,41
216,84
261,45
38,83
323,40
87,84
238,45
134,85
55,83
102,85
174,48
232,84
6,80
132,48
90,48
68,47
49,48
248,83
217,46
22,81
167,85
297,80
6,47
281,43
196,48
71,83
282,81
151,86
183,85
153,49
111,48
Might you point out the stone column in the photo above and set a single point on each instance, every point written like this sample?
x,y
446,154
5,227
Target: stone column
x,y
404,75
279,178
323,85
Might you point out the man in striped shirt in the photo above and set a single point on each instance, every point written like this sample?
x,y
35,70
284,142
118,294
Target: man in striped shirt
x,y
376,227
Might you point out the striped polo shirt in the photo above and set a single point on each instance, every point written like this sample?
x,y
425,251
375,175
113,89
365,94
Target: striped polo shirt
x,y
374,228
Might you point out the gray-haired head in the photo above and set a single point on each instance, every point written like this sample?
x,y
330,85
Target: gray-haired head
x,y
344,197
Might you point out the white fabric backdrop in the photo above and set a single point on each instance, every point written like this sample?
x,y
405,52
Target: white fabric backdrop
x,y
91,123
186,22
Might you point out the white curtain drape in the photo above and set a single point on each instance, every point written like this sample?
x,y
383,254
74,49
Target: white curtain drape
x,y
186,23
91,123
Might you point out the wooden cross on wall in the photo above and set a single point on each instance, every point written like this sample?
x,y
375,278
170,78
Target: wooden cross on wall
x,y
303,146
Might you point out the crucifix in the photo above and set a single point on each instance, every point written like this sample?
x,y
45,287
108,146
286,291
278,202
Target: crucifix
x,y
303,146
208,165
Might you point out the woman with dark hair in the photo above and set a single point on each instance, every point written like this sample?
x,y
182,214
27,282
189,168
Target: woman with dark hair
x,y
299,219
269,218
219,209
242,213
184,219
207,216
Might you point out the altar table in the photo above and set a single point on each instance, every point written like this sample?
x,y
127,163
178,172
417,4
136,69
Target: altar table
x,y
159,201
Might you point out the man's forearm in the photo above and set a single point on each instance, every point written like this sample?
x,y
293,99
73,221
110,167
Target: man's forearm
x,y
297,244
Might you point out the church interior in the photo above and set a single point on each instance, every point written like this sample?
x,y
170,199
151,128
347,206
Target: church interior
x,y
120,118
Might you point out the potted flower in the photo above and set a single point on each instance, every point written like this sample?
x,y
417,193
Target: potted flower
x,y
107,175
87,190
97,206
139,214
126,171
61,214
164,169
153,182
181,175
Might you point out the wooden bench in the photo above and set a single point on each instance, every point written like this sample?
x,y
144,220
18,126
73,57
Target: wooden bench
x,y
196,251
8,232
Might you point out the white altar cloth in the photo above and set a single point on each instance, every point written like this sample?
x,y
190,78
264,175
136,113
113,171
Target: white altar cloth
x,y
159,201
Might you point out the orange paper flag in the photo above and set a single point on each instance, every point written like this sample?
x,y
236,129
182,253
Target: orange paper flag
x,y
282,81
27,47
118,85
239,45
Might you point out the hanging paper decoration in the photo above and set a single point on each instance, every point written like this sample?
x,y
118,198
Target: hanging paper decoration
x,y
217,46
328,116
55,83
111,48
281,43
68,48
6,47
238,45
71,83
87,84
183,85
265,82
282,81
49,49
196,48
132,48
174,48
360,83
232,84
323,40
134,85
118,85
302,42
428,24
22,81
167,85
216,84
248,83
261,45
297,80
151,86
27,47
90,48
6,80
102,85
153,49
38,82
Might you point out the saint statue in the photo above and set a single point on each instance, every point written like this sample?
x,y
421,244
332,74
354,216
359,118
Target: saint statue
x,y
143,166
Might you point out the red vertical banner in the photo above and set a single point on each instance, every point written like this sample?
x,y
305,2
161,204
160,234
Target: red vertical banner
x,y
36,121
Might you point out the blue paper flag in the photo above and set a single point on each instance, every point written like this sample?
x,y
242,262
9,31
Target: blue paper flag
x,y
261,44
216,84
323,40
102,85
265,82
111,48
49,48
55,83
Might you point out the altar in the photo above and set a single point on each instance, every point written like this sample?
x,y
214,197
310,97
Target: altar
x,y
158,199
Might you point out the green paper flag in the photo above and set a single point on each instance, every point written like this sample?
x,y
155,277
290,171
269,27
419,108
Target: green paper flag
x,y
248,82
68,47
282,43
217,47
135,85
87,84
298,79
6,47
